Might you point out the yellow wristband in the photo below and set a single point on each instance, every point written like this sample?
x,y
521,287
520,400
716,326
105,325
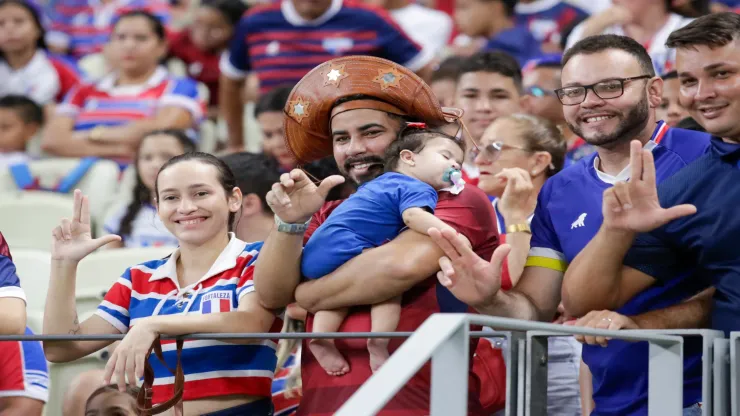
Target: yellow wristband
x,y
518,228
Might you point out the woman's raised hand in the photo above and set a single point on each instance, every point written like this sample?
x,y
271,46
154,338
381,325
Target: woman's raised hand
x,y
72,240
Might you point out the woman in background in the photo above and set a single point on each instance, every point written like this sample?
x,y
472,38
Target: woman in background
x,y
517,154
109,119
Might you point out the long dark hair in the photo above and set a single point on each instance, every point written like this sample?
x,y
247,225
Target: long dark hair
x,y
35,14
225,175
143,195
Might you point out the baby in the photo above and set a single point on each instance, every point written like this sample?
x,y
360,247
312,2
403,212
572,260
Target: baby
x,y
418,165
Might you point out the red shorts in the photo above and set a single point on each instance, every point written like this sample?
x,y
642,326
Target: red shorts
x,y
23,370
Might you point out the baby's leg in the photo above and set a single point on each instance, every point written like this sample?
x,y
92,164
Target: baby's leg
x,y
324,350
384,318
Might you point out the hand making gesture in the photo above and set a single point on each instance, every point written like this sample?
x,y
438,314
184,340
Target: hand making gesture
x,y
72,240
634,205
470,278
296,198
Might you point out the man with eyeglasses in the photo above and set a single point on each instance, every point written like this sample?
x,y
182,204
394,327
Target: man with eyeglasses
x,y
609,96
540,78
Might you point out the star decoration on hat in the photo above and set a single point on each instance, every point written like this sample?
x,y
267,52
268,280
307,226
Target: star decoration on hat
x,y
299,109
335,75
388,78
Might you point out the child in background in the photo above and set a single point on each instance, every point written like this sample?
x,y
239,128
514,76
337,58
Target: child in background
x,y
200,46
418,165
20,119
109,401
138,223
26,67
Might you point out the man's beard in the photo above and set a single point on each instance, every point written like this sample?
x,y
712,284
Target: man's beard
x,y
626,130
372,172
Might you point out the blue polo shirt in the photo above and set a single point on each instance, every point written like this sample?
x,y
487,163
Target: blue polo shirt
x,y
567,216
707,240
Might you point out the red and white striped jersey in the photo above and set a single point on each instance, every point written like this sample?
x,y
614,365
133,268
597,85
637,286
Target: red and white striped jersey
x,y
212,368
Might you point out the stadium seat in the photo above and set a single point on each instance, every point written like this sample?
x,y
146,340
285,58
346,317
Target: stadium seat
x,y
27,220
33,267
93,66
100,183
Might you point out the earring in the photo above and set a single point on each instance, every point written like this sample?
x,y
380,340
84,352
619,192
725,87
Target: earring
x,y
534,173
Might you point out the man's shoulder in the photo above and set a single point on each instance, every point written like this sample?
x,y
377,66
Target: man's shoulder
x,y
688,145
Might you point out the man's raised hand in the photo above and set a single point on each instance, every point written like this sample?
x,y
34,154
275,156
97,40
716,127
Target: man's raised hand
x,y
295,198
468,277
634,205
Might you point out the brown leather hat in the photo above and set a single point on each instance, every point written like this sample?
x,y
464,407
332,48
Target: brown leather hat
x,y
395,89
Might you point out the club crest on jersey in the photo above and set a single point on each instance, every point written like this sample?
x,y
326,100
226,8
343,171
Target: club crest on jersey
x,y
337,46
216,301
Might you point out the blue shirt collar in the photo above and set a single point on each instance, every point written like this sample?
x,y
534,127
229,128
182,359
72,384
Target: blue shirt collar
x,y
727,151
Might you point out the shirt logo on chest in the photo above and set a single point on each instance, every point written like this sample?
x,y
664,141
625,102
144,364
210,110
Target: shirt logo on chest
x,y
273,48
216,301
579,222
337,46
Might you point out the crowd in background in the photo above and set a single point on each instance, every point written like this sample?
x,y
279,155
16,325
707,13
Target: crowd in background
x,y
161,87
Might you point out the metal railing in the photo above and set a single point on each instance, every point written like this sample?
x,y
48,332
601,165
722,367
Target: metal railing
x,y
444,338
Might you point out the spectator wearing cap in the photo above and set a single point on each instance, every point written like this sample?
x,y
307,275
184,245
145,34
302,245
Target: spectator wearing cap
x,y
200,46
546,19
26,67
282,41
670,110
494,19
82,27
540,78
647,21
429,28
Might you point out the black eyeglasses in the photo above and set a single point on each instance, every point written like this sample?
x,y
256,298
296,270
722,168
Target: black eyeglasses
x,y
606,90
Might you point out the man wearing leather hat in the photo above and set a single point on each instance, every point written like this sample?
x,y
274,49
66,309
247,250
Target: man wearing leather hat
x,y
353,108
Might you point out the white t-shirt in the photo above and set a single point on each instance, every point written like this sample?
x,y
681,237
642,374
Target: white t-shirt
x,y
664,59
11,158
43,79
430,28
147,229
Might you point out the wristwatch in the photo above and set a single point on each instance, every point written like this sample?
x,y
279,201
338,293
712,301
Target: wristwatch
x,y
289,228
518,228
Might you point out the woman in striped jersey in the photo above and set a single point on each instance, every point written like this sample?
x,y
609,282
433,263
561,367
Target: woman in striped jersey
x,y
204,286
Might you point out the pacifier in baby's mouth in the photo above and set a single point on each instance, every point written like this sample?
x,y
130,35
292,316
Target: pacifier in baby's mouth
x,y
452,175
